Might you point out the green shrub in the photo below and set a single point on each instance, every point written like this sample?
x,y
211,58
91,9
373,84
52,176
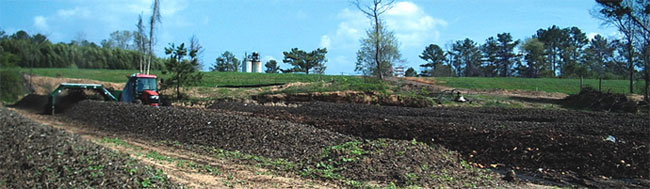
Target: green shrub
x,y
11,85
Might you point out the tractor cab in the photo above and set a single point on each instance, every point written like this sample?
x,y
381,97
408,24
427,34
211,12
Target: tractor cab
x,y
141,89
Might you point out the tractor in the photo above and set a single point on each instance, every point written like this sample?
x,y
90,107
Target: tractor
x,y
141,89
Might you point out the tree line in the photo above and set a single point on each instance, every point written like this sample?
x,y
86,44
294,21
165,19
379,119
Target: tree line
x,y
25,50
300,61
551,52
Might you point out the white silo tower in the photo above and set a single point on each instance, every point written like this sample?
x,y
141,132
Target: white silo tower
x,y
249,65
256,62
246,65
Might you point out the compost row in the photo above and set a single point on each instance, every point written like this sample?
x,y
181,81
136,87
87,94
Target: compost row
x,y
39,156
551,142
386,161
265,137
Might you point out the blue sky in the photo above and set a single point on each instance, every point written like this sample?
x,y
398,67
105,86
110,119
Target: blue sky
x,y
273,26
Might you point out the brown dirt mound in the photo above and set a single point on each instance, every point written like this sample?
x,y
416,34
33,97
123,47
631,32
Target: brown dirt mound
x,y
566,146
40,103
347,97
43,85
32,102
38,156
404,163
270,138
589,98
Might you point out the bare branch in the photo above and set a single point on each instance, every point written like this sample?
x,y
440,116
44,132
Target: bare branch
x,y
358,5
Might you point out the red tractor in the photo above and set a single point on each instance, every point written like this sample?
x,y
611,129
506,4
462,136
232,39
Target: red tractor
x,y
141,89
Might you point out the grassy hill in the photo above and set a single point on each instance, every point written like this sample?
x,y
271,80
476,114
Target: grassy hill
x,y
212,79
568,86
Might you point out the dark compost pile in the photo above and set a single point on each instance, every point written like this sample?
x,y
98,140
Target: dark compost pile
x,y
39,156
559,145
318,152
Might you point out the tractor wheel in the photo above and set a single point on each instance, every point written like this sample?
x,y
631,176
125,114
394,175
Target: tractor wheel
x,y
137,101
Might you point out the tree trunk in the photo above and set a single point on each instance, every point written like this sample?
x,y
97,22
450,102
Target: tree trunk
x,y
178,91
377,40
630,61
646,78
581,82
646,70
600,84
645,96
553,61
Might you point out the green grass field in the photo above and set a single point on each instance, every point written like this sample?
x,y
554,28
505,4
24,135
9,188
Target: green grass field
x,y
212,79
568,86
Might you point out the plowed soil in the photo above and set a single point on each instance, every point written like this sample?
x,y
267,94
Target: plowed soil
x,y
39,156
317,152
269,138
595,100
568,147
576,148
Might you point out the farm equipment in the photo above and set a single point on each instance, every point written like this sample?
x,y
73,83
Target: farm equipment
x,y
51,107
139,89
450,95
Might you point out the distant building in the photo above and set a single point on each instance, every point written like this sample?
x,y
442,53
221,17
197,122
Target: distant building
x,y
252,63
398,71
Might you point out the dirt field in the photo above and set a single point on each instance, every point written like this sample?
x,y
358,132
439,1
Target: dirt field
x,y
311,152
39,156
182,165
573,148
357,145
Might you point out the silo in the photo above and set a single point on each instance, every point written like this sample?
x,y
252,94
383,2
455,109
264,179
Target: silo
x,y
257,66
249,65
257,63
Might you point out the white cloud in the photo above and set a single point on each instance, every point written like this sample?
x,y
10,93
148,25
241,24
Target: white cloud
x,y
347,34
591,35
353,26
403,8
113,13
40,22
77,11
412,26
325,41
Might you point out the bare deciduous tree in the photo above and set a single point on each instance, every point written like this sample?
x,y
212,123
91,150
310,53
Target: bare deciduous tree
x,y
374,10
155,18
196,46
141,43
